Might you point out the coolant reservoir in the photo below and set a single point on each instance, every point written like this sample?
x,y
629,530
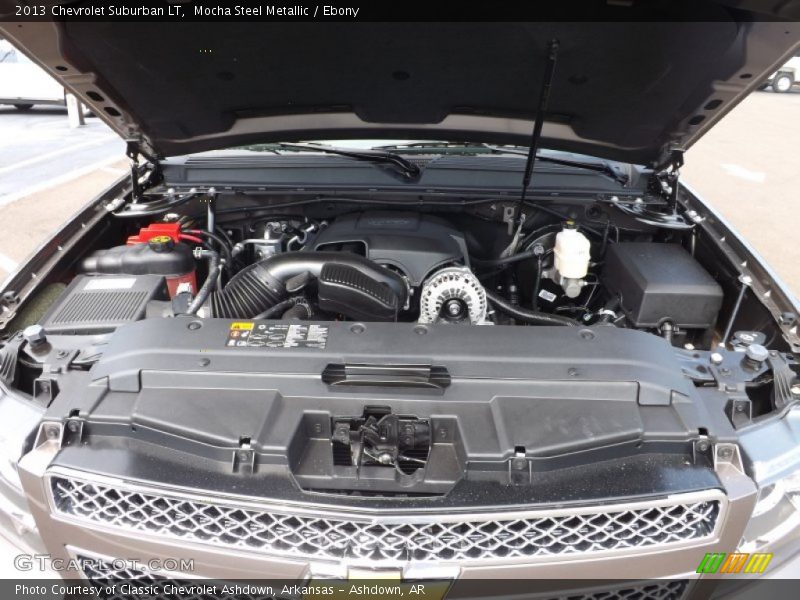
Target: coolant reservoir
x,y
571,259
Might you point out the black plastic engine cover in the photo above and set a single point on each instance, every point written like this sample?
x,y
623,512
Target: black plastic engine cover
x,y
661,282
413,243
565,397
345,289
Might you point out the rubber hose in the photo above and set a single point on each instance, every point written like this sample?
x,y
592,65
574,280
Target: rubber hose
x,y
528,316
279,308
209,284
299,311
260,286
224,248
493,262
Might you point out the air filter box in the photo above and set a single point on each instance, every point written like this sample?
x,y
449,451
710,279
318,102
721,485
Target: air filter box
x,y
101,303
661,282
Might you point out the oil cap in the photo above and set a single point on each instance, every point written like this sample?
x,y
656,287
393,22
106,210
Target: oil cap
x,y
161,243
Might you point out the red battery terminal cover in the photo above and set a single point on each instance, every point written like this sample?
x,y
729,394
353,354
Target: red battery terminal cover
x,y
173,230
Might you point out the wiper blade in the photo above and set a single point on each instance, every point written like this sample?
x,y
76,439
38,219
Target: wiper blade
x,y
407,168
603,167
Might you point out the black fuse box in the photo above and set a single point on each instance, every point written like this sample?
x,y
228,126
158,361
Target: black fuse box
x,y
101,303
661,282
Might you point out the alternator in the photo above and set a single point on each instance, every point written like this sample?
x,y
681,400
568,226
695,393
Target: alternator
x,y
451,295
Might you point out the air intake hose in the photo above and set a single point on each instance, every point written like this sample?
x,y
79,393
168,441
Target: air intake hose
x,y
262,285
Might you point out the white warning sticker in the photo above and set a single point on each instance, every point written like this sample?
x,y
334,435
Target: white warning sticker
x,y
277,335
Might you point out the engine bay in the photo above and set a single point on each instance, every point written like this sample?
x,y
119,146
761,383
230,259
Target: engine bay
x,y
400,349
393,266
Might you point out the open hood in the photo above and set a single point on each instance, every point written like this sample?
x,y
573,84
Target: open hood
x,y
632,91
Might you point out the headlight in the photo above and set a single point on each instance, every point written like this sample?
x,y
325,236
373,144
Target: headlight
x,y
775,516
19,420
774,452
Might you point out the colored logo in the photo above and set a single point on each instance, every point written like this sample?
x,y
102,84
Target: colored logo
x,y
737,562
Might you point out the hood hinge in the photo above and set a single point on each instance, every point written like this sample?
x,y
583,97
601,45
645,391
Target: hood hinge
x,y
133,150
664,180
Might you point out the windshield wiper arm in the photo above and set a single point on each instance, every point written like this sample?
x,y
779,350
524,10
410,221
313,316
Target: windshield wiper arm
x,y
601,167
407,168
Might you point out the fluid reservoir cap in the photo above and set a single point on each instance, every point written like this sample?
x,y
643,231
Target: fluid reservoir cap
x,y
161,243
756,353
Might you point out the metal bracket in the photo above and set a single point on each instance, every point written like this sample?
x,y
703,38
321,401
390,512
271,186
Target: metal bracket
x,y
73,431
740,411
509,215
49,433
519,469
45,389
728,455
244,458
702,449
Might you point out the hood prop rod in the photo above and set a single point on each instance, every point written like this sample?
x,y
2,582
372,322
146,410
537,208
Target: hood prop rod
x,y
536,134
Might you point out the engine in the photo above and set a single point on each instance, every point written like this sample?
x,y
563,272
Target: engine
x,y
389,266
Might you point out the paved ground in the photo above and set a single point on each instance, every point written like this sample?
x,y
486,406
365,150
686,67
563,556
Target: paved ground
x,y
47,172
748,167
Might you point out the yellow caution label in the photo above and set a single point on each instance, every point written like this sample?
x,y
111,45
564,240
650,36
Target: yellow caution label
x,y
242,326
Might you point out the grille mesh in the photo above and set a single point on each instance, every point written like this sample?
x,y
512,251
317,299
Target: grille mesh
x,y
385,538
104,574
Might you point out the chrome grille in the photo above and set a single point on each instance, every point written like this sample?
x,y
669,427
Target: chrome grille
x,y
104,574
392,538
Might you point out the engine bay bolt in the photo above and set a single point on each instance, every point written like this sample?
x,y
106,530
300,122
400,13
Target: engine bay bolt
x,y
52,432
702,446
716,358
725,452
34,335
244,456
756,354
73,426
